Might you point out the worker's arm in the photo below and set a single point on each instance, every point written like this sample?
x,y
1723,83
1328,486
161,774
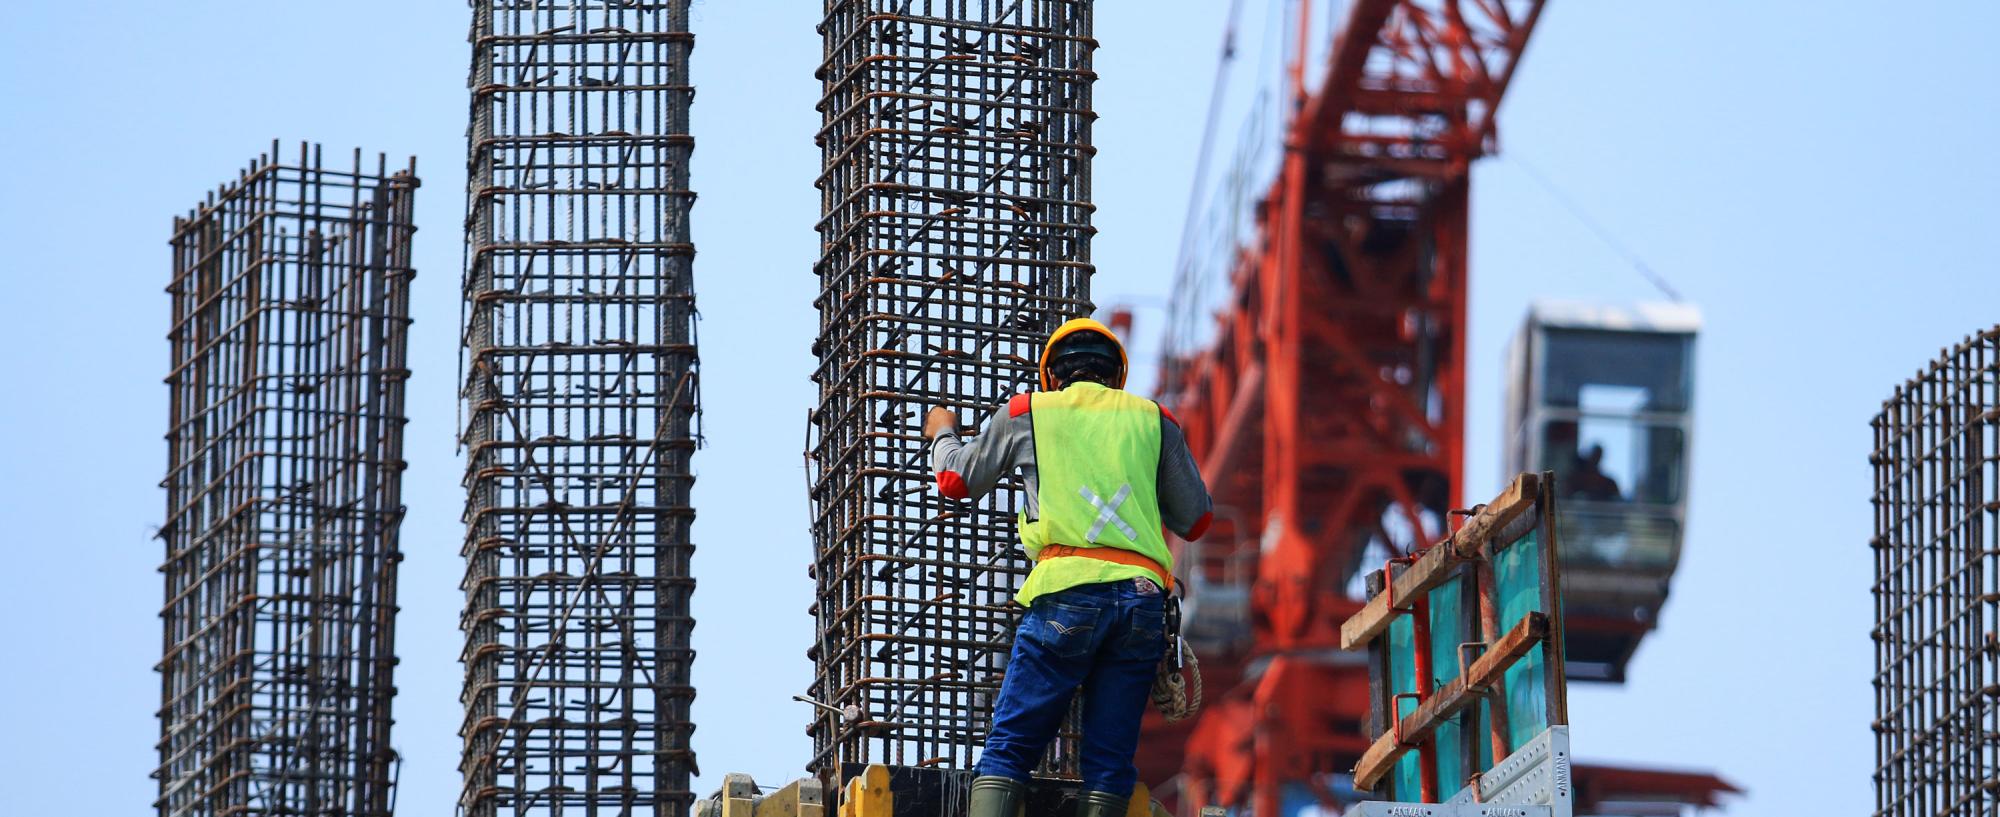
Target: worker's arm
x,y
1185,507
968,469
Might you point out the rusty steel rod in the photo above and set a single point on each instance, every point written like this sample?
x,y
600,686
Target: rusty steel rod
x,y
955,231
582,411
1937,586
290,300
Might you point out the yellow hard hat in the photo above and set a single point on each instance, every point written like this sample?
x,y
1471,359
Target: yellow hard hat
x,y
1074,326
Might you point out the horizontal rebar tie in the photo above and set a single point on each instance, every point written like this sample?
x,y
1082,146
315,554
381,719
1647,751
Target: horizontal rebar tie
x,y
956,230
581,401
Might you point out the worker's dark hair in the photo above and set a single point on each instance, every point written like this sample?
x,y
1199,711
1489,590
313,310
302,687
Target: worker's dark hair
x,y
1094,368
1085,356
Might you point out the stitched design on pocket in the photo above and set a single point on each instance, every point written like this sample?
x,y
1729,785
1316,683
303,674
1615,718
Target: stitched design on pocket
x,y
1071,629
1147,632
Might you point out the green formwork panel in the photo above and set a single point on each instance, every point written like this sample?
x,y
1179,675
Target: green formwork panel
x,y
1517,582
1521,574
1449,624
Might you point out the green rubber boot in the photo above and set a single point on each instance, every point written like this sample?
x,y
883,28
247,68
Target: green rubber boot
x,y
994,796
1100,804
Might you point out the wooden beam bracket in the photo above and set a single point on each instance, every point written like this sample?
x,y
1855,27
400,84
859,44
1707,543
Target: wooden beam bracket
x,y
1449,700
1435,565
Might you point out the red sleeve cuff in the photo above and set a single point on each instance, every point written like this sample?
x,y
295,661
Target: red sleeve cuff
x,y
950,484
1020,404
1200,526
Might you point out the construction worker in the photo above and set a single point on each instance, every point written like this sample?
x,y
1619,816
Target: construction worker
x,y
1105,471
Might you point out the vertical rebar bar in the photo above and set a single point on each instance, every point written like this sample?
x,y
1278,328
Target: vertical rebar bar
x,y
955,231
290,300
1937,587
580,393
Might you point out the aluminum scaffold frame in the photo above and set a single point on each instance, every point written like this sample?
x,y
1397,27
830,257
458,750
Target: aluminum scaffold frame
x,y
955,232
582,411
290,300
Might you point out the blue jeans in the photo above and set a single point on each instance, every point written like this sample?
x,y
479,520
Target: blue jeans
x,y
1107,638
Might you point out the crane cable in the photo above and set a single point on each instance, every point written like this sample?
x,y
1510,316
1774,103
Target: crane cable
x,y
1216,88
1603,234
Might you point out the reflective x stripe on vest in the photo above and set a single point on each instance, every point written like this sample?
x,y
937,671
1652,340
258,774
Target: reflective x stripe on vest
x,y
1097,464
1107,512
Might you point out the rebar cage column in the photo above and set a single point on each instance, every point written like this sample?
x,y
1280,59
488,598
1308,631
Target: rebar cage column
x,y
580,392
290,301
1937,587
955,235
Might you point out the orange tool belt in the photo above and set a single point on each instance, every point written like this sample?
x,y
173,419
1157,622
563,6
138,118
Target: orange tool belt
x,y
1111,554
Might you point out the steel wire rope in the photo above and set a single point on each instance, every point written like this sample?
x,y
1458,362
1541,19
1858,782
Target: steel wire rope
x,y
1596,228
1183,268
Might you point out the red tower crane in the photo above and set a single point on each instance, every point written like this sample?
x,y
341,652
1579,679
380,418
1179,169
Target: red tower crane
x,y
1328,410
1330,407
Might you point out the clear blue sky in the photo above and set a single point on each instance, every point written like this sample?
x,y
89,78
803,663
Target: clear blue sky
x,y
1818,177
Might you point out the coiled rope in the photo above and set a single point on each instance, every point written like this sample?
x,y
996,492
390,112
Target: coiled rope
x,y
1177,697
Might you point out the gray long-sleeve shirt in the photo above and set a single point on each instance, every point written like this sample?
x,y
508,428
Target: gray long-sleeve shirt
x,y
1008,442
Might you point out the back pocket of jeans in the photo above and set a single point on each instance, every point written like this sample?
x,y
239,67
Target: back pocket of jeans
x,y
1063,629
1147,635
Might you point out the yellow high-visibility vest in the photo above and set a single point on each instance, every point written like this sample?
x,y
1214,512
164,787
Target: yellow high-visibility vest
x,y
1097,466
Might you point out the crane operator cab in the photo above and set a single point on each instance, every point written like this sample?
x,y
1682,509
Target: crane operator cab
x,y
1602,396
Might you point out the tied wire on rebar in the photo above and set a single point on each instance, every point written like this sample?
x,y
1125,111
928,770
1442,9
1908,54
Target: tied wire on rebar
x,y
290,300
581,410
1937,587
955,230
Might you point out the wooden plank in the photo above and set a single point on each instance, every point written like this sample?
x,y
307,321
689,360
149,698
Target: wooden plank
x,y
1435,566
1489,631
1449,699
739,795
868,794
1468,610
1429,571
1520,497
802,798
1555,674
1378,669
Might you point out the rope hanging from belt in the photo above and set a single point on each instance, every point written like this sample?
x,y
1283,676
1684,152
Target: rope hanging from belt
x,y
1177,697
